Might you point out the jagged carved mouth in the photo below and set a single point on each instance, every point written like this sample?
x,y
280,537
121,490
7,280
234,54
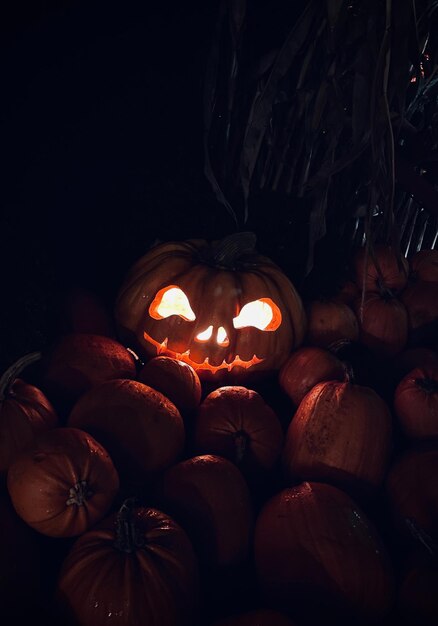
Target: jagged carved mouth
x,y
205,365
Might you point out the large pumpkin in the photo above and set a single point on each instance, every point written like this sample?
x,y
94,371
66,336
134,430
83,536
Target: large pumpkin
x,y
319,557
224,309
64,483
136,567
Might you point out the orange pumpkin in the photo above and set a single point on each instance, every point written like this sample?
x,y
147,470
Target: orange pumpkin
x,y
142,430
175,379
329,321
236,423
305,368
319,557
64,484
416,403
136,567
209,497
340,433
383,322
380,268
25,412
223,308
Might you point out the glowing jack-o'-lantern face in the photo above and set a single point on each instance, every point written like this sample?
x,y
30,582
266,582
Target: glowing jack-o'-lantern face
x,y
223,322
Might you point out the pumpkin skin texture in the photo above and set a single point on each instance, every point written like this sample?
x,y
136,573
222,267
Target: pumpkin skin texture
x,y
78,361
209,497
412,491
416,403
318,556
236,423
393,275
64,484
25,412
217,282
150,578
305,368
424,266
177,380
342,434
142,430
257,617
383,322
329,321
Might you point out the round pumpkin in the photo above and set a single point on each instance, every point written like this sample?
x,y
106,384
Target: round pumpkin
x,y
223,308
256,617
78,361
412,490
136,567
142,430
416,403
209,497
341,433
25,411
329,321
319,557
424,265
175,379
64,484
236,423
380,267
383,322
305,368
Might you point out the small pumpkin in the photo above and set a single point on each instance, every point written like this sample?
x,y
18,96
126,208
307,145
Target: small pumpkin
x,y
424,265
379,267
319,557
25,411
209,497
341,433
136,567
223,308
305,368
78,361
175,379
236,423
329,321
383,322
416,403
64,484
142,430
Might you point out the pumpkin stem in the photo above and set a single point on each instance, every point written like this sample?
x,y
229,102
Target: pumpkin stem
x,y
421,536
226,252
12,372
241,440
79,494
429,385
128,537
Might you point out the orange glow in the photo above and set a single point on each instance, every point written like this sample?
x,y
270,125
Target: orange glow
x,y
205,335
263,314
171,301
205,365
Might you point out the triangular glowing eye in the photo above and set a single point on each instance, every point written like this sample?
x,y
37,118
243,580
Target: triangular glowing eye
x,y
171,301
205,335
263,314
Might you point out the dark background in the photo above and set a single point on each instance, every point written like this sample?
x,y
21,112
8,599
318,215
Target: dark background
x,y
101,145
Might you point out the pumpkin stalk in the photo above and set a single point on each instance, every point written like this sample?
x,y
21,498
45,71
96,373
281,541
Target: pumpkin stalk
x,y
128,538
226,252
12,372
79,494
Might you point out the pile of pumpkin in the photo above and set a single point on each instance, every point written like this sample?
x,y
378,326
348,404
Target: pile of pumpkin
x,y
178,468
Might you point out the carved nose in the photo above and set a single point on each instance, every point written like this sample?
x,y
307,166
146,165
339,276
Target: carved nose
x,y
217,336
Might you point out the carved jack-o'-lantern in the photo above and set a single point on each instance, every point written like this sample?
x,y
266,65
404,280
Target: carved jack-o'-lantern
x,y
222,308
